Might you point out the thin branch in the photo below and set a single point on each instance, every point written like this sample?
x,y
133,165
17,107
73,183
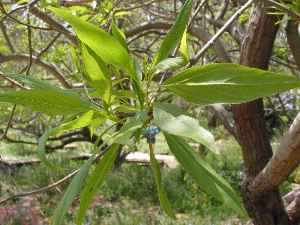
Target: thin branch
x,y
9,122
53,185
134,7
53,24
41,190
197,32
6,37
15,83
29,45
284,7
51,43
51,68
200,53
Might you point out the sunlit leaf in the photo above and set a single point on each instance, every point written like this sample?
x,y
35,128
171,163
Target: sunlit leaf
x,y
163,198
169,64
72,191
95,180
129,128
182,125
184,50
50,101
101,42
119,35
204,175
97,73
80,122
175,34
228,83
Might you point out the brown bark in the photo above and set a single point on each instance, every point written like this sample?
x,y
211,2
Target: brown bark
x,y
293,39
266,209
283,163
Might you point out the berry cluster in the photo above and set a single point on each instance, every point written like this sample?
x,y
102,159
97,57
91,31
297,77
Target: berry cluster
x,y
150,133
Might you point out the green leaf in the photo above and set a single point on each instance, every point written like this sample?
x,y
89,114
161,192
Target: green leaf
x,y
169,64
175,34
51,101
119,35
95,180
171,108
101,42
73,190
184,49
33,83
204,175
80,122
163,198
182,125
97,73
228,83
129,128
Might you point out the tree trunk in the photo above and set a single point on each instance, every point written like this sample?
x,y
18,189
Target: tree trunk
x,y
266,209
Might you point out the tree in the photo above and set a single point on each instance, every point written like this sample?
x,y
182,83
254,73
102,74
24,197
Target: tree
x,y
136,106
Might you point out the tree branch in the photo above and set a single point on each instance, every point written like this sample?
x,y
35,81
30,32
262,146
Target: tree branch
x,y
197,32
51,68
283,162
208,44
293,39
53,24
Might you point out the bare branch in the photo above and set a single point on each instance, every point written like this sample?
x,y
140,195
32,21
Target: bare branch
x,y
208,44
197,32
283,162
51,68
53,24
293,39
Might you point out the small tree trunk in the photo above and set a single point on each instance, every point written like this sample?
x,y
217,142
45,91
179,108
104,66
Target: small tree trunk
x,y
266,209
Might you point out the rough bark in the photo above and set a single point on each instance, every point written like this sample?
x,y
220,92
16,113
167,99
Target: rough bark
x,y
268,208
293,39
285,161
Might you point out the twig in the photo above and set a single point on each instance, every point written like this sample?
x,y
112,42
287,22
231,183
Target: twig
x,y
42,52
283,7
9,122
51,68
16,83
40,190
198,8
29,44
53,185
6,37
200,53
20,22
134,7
53,24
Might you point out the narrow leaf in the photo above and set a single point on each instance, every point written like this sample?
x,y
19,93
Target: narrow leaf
x,y
175,34
52,102
129,128
169,64
228,83
73,190
119,35
203,174
95,180
83,121
101,42
97,73
184,49
163,198
34,83
184,126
